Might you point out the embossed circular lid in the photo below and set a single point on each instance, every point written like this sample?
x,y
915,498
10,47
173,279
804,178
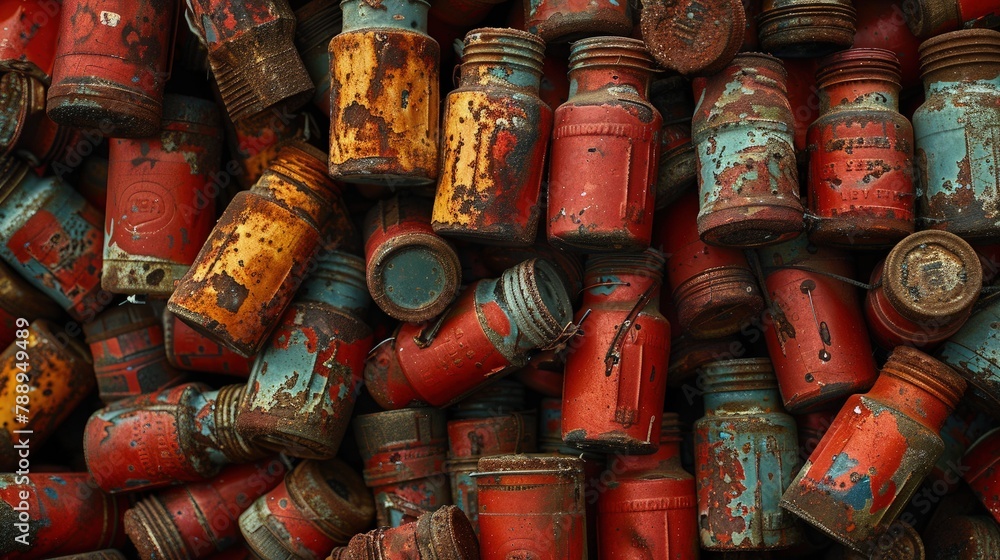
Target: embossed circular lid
x,y
693,36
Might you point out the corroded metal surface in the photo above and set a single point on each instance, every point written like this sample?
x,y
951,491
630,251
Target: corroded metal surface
x,y
693,36
678,172
563,21
254,143
805,28
974,352
19,299
28,33
928,18
878,27
385,95
190,350
879,448
316,23
963,537
445,534
111,65
983,476
25,129
495,133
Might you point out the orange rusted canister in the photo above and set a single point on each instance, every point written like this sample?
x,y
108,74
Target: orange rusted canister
x,y
494,136
563,21
189,350
252,54
19,300
25,129
694,37
319,505
159,213
29,30
258,253
878,450
743,133
384,95
44,375
861,185
445,534
805,28
605,149
531,506
925,291
111,65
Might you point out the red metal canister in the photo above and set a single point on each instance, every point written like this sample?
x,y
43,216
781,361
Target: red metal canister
x,y
861,185
127,345
531,506
878,26
258,252
319,505
743,132
694,36
805,28
53,514
927,18
19,300
29,30
877,451
25,129
494,134
616,372
159,214
816,338
563,21
197,520
445,534
111,65
926,289
190,350
983,461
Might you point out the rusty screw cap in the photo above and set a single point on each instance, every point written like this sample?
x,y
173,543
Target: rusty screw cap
x,y
693,36
926,372
925,17
960,56
932,276
806,28
447,534
414,277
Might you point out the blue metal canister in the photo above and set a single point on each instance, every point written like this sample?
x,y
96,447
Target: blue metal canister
x,y
974,352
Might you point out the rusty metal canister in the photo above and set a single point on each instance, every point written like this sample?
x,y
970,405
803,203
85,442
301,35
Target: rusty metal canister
x,y
927,18
531,506
563,21
806,28
927,286
605,149
302,388
319,505
485,334
713,288
878,27
252,54
651,508
413,274
974,352
52,514
110,554
746,455
494,135
44,375
111,65
693,36
190,350
126,342
181,434
963,537
52,237
28,33
404,453
159,213
878,450
20,300
445,534
257,254
316,23
747,177
817,339
861,185
956,152
384,95
983,476
616,373
678,163
199,519
25,129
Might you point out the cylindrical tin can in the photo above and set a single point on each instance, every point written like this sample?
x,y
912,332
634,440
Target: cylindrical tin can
x,y
983,476
181,434
127,345
693,36
404,453
816,337
412,273
189,350
52,237
713,288
197,520
616,374
678,171
926,289
806,28
928,18
960,431
252,54
957,159
159,214
494,135
861,189
564,21
315,24
531,506
877,451
384,95
605,145
445,534
20,300
963,537
319,505
747,177
25,130
44,375
28,34
257,255
746,454
486,333
974,352
54,514
111,65
302,388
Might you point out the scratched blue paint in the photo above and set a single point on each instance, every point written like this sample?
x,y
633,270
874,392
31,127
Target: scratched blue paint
x,y
51,493
410,15
974,352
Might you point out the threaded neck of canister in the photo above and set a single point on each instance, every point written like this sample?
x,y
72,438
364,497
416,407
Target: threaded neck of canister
x,y
649,263
497,399
538,301
446,534
15,106
149,525
817,13
421,434
670,428
316,23
744,374
12,173
925,17
917,368
503,46
860,64
620,52
231,442
305,165
960,56
338,280
340,502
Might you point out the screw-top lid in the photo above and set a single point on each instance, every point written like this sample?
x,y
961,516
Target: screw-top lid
x,y
964,55
622,52
538,301
931,375
416,438
744,374
926,17
860,64
446,534
335,496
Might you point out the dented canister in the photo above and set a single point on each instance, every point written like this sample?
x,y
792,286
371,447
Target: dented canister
x,y
806,28
445,534
190,350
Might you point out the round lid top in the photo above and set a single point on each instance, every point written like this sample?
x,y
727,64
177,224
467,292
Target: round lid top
x,y
694,37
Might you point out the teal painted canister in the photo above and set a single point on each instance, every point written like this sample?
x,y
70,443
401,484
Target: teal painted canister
x,y
746,455
957,134
974,352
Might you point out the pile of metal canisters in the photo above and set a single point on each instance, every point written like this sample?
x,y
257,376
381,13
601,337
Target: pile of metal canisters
x,y
500,279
